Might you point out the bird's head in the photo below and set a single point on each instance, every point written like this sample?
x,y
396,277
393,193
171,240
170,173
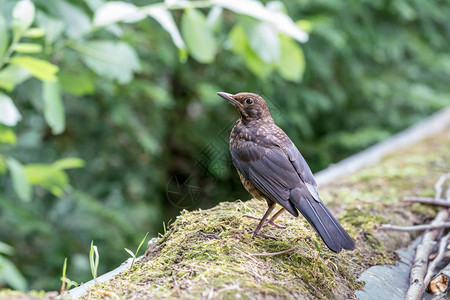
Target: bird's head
x,y
250,106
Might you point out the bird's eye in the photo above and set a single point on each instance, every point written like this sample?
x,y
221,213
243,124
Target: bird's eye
x,y
249,101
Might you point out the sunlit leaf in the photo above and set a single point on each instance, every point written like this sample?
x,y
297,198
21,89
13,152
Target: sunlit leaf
x,y
23,16
34,33
9,115
117,11
291,65
256,9
129,252
12,75
47,176
263,39
198,36
28,48
10,275
4,38
77,84
39,68
163,17
7,135
114,60
68,163
20,183
53,106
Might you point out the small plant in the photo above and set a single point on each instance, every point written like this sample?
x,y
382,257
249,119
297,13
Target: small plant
x,y
94,259
164,227
65,280
133,255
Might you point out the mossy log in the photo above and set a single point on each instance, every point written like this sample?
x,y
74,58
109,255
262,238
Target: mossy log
x,y
209,253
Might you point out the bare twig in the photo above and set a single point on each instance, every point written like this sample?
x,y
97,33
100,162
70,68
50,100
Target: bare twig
x,y
419,267
427,200
441,252
438,187
415,227
274,253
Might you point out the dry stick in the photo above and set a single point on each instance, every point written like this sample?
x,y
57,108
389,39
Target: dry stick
x,y
419,268
274,253
426,200
442,247
415,227
439,284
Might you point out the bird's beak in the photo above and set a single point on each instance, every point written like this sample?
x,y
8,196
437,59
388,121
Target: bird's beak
x,y
228,97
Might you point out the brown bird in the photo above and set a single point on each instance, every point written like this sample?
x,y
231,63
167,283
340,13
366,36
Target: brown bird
x,y
271,168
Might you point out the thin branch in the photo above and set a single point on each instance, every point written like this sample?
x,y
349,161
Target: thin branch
x,y
427,200
438,187
274,253
441,252
415,227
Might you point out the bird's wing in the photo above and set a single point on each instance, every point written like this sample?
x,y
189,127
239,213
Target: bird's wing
x,y
302,169
269,169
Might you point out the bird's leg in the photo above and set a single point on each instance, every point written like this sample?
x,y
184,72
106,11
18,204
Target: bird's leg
x,y
263,221
274,217
270,221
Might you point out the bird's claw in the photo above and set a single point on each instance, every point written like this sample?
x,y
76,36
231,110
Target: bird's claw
x,y
259,234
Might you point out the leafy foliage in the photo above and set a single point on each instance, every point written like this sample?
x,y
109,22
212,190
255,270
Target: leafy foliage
x,y
120,98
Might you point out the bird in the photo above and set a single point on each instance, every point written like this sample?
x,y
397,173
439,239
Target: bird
x,y
271,168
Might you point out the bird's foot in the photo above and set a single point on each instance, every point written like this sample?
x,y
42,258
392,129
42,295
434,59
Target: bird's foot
x,y
270,221
259,234
274,224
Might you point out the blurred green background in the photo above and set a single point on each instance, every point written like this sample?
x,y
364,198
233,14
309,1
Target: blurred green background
x,y
109,122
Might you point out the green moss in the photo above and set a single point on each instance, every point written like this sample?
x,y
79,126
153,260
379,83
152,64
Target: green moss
x,y
209,253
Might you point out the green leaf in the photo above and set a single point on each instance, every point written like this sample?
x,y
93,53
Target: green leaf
x,y
53,106
28,48
9,115
113,60
94,259
47,176
263,39
53,27
291,65
117,11
20,183
68,163
77,23
34,33
11,76
165,19
280,21
10,275
39,68
6,249
7,136
198,36
23,16
4,39
240,45
79,84
2,165
129,252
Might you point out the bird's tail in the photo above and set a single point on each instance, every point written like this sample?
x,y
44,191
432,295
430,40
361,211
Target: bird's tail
x,y
325,224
